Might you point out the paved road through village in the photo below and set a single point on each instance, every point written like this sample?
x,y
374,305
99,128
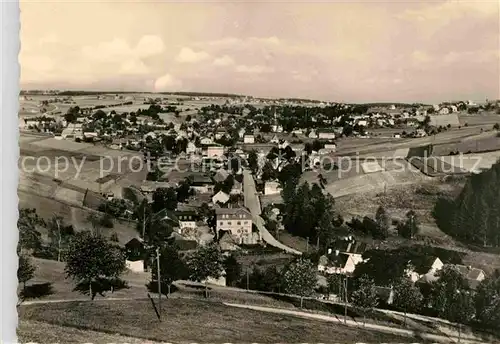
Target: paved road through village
x,y
253,204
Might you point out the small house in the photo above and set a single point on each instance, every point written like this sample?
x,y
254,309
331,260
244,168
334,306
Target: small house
x,y
272,188
215,151
249,139
220,197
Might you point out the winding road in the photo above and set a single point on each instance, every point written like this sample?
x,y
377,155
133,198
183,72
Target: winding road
x,y
252,202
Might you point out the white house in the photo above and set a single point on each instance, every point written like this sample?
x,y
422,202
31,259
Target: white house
x,y
428,270
326,134
444,111
283,144
454,108
272,188
274,139
135,266
187,219
332,147
277,128
215,151
248,139
335,262
220,133
220,197
206,141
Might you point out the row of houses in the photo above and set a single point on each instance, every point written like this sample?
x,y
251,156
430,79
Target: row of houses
x,y
348,253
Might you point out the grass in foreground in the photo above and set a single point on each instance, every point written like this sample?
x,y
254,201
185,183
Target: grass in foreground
x,y
40,332
194,321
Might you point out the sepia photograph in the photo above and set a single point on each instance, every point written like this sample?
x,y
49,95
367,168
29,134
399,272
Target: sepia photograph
x,y
259,172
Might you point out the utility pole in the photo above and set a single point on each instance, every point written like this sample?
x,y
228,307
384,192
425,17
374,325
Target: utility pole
x,y
58,240
307,244
317,243
159,280
345,292
248,280
143,220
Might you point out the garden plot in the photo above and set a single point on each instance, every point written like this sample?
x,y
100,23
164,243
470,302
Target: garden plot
x,y
479,119
474,163
445,120
64,145
377,181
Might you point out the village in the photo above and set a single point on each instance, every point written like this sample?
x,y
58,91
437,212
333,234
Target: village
x,y
261,183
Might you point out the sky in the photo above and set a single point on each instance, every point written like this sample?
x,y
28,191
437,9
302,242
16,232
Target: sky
x,y
397,51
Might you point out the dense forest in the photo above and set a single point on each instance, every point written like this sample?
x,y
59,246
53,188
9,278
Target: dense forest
x,y
474,216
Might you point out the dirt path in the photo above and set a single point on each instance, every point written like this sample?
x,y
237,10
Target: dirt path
x,y
428,336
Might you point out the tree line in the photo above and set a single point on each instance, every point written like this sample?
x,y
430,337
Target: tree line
x,y
474,216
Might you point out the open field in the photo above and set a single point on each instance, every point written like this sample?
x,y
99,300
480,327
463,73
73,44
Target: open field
x,y
182,319
480,119
29,331
445,120
75,215
487,141
351,178
40,332
388,146
49,271
472,162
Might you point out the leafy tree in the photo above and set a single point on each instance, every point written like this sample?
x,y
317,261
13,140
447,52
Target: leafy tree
x,y
253,161
410,227
206,262
336,285
172,267
26,270
164,198
407,296
233,271
299,278
114,237
95,221
473,217
445,290
487,302
27,224
184,190
496,126
383,223
365,295
59,234
91,258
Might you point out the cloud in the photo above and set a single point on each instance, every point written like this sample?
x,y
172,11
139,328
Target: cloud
x,y
118,50
188,55
134,67
150,45
223,61
167,83
256,69
451,10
